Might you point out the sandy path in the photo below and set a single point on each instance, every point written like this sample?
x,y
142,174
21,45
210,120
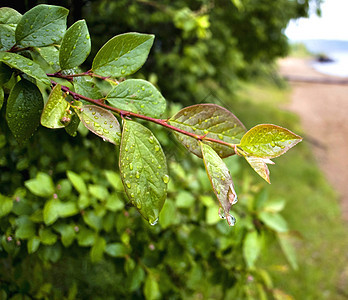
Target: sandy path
x,y
323,109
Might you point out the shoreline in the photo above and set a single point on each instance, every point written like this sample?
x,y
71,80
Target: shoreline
x,y
322,109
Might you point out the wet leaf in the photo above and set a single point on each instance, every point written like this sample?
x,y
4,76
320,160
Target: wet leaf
x,y
25,65
55,109
268,141
211,120
42,25
138,96
72,127
5,73
24,106
260,166
50,54
76,46
7,37
9,16
84,85
123,55
221,180
143,169
251,248
101,122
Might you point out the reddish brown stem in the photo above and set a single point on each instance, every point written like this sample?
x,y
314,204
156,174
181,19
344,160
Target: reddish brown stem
x,y
126,113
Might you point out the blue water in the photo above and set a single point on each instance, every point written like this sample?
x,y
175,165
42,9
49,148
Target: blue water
x,y
336,50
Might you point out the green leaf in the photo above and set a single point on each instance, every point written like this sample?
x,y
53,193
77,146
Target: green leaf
x,y
168,214
7,37
260,166
33,244
143,169
117,250
85,237
24,106
93,220
98,191
135,278
9,16
114,179
184,199
84,85
73,125
42,185
67,209
274,205
25,65
47,237
67,233
42,25
151,288
76,46
123,55
50,55
285,241
55,109
138,96
274,221
77,181
251,248
5,73
221,180
6,205
101,122
268,141
51,211
25,227
114,203
211,120
98,249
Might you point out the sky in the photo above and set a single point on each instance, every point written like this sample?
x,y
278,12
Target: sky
x,y
332,25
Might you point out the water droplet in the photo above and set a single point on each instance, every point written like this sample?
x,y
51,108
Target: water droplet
x,y
231,220
106,131
221,213
142,106
124,175
157,148
185,113
123,71
151,139
87,122
96,124
91,109
126,149
139,205
165,178
111,126
6,57
153,222
220,136
132,195
137,175
131,166
93,113
272,144
87,36
143,88
31,26
128,184
159,166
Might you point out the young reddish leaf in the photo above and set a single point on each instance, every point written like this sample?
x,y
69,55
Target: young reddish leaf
x,y
25,65
260,166
268,141
221,180
143,170
55,110
24,107
211,120
138,96
123,54
76,46
41,26
101,122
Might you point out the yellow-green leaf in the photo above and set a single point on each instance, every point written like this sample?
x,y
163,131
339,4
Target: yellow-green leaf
x,y
221,181
260,166
211,120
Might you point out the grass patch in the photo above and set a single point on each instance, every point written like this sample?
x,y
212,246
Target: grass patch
x,y
312,205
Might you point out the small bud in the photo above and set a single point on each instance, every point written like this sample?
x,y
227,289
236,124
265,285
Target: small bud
x,y
76,228
9,238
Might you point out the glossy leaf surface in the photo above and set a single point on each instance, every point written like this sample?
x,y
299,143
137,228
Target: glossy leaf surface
x,y
143,170
101,122
25,65
268,141
221,180
41,26
9,15
55,109
7,37
84,85
24,107
211,120
76,46
50,54
260,166
138,96
123,54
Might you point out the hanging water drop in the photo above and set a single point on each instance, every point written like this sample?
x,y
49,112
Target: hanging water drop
x,y
231,220
153,222
165,178
131,166
221,213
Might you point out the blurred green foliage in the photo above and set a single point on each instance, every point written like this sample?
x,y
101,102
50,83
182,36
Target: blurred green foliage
x,y
63,203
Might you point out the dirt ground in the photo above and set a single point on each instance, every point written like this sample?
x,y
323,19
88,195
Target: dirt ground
x,y
323,109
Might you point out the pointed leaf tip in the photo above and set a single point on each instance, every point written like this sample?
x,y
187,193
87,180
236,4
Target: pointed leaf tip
x,y
268,141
